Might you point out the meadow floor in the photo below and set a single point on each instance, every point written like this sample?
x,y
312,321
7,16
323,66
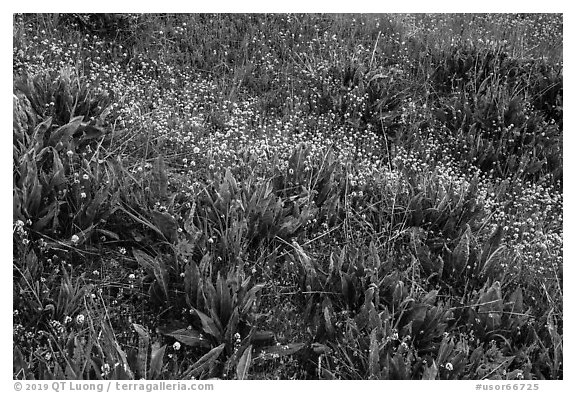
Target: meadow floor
x,y
287,196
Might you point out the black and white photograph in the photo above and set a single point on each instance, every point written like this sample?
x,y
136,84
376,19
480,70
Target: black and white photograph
x,y
287,196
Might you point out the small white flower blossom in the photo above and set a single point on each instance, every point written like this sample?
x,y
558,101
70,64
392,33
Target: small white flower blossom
x,y
176,346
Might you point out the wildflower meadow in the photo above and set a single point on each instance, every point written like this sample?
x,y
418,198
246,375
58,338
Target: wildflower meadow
x,y
287,196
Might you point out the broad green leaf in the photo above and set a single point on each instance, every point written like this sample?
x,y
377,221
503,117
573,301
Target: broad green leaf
x,y
17,201
107,233
321,349
398,368
374,255
490,306
47,216
416,316
205,362
208,325
143,343
60,138
491,261
39,132
229,178
492,245
327,375
194,232
399,292
30,185
188,337
327,311
87,132
144,260
156,266
331,268
214,316
192,281
250,298
282,350
19,364
58,173
225,301
159,184
306,263
445,350
517,301
213,304
430,373
244,363
156,360
94,206
141,330
348,289
430,297
205,264
461,253
232,326
162,275
374,356
166,224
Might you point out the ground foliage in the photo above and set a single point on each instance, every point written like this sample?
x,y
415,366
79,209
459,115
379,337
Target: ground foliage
x,y
287,196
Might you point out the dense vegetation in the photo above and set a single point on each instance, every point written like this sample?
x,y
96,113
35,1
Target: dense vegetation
x,y
287,196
